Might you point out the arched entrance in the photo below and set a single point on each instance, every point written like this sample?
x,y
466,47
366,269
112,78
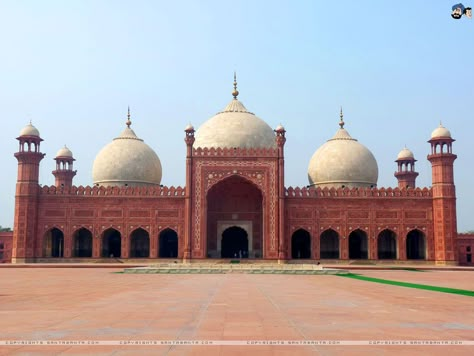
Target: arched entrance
x,y
358,245
111,243
416,245
301,244
168,241
53,244
387,245
235,243
139,243
82,240
329,244
234,202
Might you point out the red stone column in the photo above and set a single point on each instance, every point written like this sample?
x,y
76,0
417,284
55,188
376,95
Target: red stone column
x,y
280,140
188,220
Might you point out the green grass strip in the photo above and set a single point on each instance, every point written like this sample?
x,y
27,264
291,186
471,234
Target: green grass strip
x,y
468,293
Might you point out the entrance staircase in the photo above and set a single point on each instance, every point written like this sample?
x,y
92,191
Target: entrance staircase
x,y
221,268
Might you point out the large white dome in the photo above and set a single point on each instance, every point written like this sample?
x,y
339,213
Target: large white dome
x,y
343,162
127,161
235,127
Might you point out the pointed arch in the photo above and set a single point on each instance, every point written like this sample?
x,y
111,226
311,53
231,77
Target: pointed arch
x,y
139,243
329,244
358,244
301,244
235,200
416,245
111,243
53,243
387,245
235,243
168,243
82,243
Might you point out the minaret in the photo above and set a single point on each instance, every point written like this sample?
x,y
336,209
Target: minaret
x,y
26,196
406,173
444,195
64,164
280,141
189,139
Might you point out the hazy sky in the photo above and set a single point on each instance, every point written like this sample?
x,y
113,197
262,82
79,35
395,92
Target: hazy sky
x,y
73,67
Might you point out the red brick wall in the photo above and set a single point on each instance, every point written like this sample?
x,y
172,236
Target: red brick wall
x,y
6,242
465,245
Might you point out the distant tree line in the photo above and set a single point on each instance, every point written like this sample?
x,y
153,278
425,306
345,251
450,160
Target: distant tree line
x,y
5,229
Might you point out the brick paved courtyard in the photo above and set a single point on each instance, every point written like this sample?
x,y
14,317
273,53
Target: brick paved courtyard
x,y
98,304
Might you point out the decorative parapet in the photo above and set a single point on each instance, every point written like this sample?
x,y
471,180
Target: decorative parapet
x,y
235,152
312,192
152,191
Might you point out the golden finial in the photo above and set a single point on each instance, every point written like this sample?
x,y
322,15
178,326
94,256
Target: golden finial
x,y
235,93
341,123
129,122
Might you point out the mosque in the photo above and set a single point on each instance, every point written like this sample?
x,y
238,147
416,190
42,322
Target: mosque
x,y
235,203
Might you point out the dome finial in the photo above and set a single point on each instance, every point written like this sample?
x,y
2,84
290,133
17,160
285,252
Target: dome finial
x,y
341,122
235,93
129,122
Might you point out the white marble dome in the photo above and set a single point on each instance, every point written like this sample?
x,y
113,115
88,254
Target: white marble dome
x,y
127,161
440,131
405,153
235,127
64,152
29,130
343,162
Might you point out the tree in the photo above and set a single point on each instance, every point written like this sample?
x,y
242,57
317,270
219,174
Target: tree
x,y
5,229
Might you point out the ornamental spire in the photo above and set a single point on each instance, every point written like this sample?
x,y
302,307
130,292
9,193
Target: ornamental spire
x,y
128,122
235,93
341,122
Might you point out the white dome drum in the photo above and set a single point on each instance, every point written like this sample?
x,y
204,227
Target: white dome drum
x,y
127,161
343,162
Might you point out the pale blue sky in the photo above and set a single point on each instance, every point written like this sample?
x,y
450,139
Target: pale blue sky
x,y
73,67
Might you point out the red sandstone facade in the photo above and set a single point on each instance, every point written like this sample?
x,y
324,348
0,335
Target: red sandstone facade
x,y
6,242
240,189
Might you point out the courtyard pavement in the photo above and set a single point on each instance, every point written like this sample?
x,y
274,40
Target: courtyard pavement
x,y
87,304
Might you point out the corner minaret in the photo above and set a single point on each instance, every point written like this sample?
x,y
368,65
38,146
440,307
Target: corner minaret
x,y
189,139
444,195
406,173
64,165
29,157
280,141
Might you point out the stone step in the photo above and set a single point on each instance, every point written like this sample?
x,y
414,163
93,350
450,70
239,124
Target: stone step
x,y
174,268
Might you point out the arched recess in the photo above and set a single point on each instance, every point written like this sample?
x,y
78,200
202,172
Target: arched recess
x,y
53,243
235,201
168,244
139,243
111,243
329,244
82,240
235,243
301,244
416,245
387,245
358,245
